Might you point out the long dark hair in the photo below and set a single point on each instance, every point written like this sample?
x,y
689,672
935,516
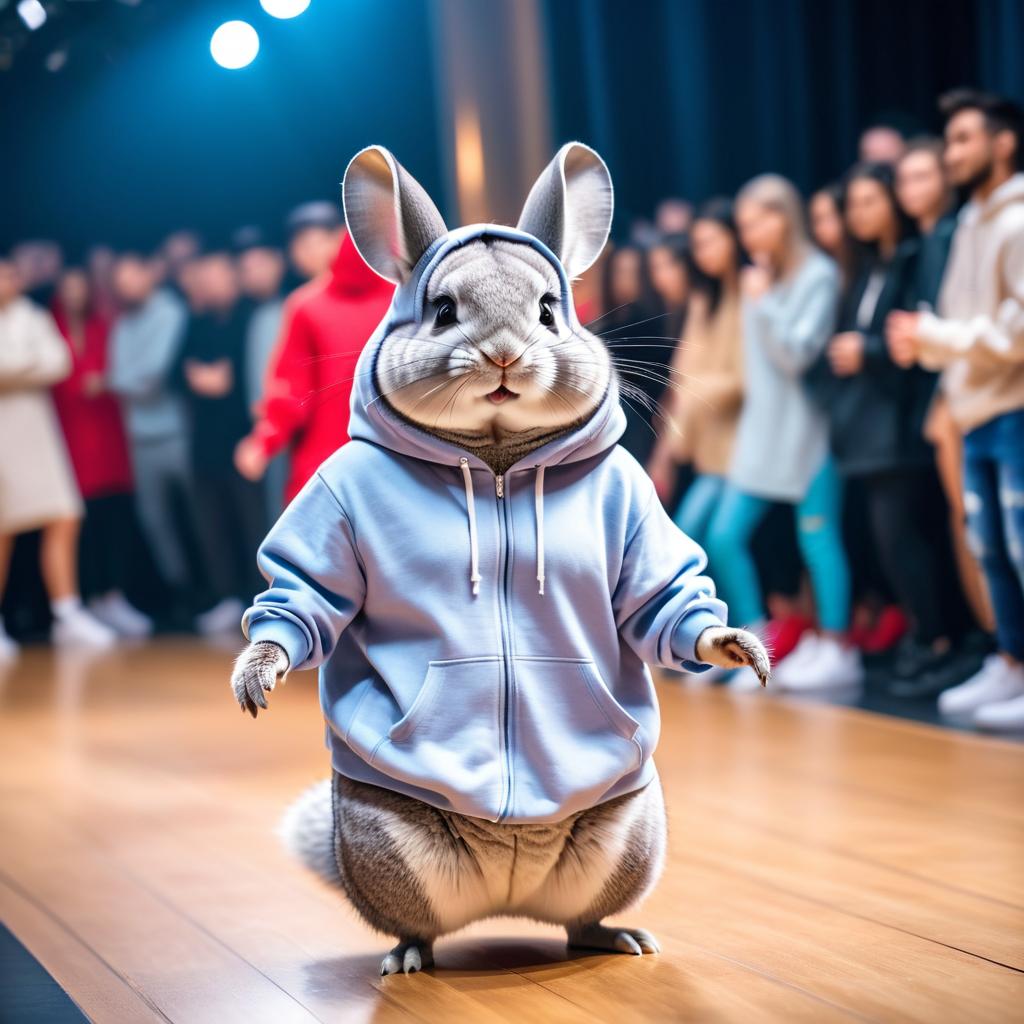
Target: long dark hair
x,y
615,319
865,254
719,211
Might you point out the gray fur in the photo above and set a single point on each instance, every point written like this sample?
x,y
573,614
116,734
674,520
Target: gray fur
x,y
256,672
417,872
379,880
438,379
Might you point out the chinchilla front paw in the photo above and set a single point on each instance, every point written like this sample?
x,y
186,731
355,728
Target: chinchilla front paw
x,y
256,672
733,648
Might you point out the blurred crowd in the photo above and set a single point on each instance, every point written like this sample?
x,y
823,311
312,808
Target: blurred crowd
x,y
828,393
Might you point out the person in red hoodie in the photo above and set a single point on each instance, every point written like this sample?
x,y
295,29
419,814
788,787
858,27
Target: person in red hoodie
x,y
325,325
90,418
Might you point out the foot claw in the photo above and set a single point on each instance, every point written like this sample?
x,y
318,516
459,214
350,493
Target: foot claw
x,y
407,958
634,941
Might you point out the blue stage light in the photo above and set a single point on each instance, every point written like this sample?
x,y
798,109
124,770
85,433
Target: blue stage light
x,y
284,8
235,44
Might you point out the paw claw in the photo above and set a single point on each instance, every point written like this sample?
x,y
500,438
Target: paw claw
x,y
634,941
407,958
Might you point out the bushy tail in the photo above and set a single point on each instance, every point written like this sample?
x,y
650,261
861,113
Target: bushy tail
x,y
307,831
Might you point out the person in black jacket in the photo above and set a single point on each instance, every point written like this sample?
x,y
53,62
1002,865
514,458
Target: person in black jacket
x,y
213,376
925,195
876,411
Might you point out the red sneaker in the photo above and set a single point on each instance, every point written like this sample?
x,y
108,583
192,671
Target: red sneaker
x,y
782,635
889,629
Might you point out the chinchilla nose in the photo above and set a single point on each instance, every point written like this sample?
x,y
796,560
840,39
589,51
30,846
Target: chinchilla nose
x,y
503,350
501,360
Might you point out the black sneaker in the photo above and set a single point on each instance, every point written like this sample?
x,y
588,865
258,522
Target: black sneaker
x,y
913,659
945,670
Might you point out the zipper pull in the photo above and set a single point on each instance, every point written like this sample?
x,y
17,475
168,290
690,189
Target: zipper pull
x,y
499,485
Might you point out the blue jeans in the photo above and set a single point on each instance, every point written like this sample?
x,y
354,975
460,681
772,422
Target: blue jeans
x,y
697,508
819,533
994,499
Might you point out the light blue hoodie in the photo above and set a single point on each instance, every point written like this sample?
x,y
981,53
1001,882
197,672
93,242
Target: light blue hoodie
x,y
482,640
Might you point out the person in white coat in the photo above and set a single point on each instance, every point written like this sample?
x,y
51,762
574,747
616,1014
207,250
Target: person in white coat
x,y
37,487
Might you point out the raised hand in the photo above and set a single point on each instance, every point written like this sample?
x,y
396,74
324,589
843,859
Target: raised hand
x,y
733,648
256,672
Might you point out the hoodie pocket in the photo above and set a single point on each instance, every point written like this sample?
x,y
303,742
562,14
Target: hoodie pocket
x,y
448,741
572,740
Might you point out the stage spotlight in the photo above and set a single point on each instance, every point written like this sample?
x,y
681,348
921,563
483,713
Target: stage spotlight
x,y
235,44
284,8
33,13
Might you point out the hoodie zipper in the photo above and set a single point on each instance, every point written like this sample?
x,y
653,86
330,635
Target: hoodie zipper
x,y
504,601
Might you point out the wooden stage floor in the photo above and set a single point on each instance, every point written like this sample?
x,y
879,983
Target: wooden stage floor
x,y
825,864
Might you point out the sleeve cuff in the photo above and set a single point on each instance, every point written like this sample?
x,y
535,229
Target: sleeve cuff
x,y
282,632
685,635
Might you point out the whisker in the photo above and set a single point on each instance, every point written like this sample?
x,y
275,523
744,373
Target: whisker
x,y
636,323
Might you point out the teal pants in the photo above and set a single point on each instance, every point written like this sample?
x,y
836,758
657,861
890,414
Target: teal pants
x,y
819,533
698,506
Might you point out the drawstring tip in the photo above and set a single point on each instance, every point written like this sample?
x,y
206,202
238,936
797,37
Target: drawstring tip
x,y
540,589
476,585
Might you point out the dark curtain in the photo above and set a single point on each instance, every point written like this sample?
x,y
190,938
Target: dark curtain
x,y
693,97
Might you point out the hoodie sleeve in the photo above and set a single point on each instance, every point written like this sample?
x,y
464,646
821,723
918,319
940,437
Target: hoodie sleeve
x,y
317,582
662,602
985,338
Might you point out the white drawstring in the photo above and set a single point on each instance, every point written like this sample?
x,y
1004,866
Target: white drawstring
x,y
474,554
538,504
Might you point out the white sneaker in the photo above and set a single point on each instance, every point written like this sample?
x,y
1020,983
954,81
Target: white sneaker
x,y
806,651
1002,716
829,666
997,680
78,628
114,610
224,617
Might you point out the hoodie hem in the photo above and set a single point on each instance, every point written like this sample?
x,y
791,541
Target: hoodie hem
x,y
346,762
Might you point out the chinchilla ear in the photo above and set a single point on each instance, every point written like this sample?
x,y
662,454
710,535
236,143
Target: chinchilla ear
x,y
390,217
570,207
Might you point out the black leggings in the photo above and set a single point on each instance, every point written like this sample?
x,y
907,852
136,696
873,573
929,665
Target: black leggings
x,y
909,520
232,523
108,544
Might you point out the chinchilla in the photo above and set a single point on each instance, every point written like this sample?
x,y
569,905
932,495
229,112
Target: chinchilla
x,y
491,717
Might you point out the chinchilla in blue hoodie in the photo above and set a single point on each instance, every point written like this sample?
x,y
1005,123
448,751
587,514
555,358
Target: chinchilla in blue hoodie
x,y
482,576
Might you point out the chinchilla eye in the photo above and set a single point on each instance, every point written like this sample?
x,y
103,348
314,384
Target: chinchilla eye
x,y
547,317
444,315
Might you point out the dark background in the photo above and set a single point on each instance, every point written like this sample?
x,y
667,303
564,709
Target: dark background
x,y
140,132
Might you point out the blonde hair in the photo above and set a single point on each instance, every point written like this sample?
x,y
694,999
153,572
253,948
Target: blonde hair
x,y
773,192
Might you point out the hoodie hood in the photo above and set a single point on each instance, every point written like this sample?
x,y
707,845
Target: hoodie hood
x,y
374,421
350,276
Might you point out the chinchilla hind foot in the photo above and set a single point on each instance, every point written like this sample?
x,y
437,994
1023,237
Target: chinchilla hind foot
x,y
613,939
408,957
